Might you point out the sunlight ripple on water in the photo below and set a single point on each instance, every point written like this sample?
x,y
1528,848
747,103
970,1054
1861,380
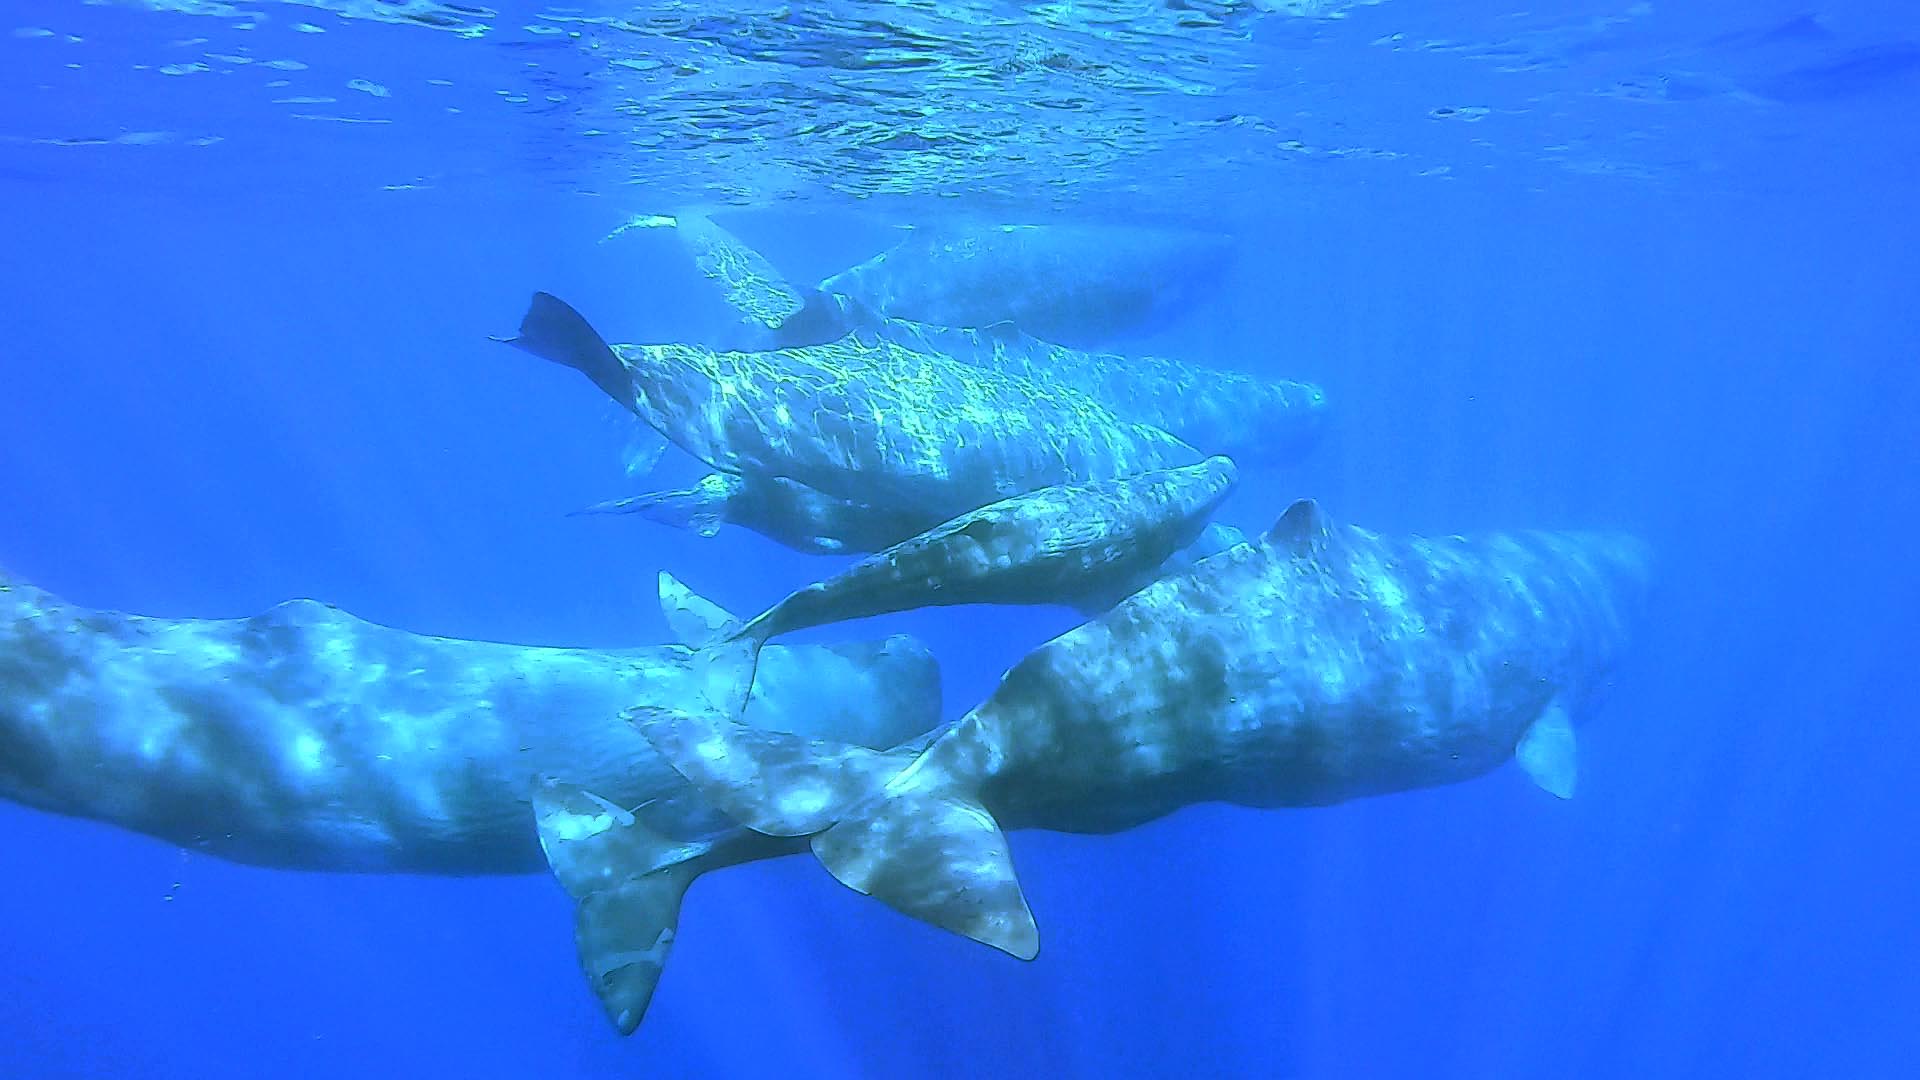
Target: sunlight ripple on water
x,y
1083,105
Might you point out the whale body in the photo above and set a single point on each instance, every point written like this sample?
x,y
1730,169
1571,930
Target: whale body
x,y
1319,663
1076,283
1076,544
1073,283
1255,421
863,421
306,738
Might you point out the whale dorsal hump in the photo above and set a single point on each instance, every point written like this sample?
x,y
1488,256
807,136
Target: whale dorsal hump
x,y
693,619
1304,530
1546,752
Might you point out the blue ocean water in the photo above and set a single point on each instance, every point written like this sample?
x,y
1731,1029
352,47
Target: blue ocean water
x,y
1607,267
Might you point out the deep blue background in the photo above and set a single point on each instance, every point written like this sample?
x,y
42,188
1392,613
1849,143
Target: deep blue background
x,y
218,399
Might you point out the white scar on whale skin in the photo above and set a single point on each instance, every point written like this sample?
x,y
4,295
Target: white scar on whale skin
x,y
306,738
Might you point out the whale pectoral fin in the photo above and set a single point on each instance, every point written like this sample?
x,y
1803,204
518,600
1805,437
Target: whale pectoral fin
x,y
939,857
642,221
693,619
1546,752
769,781
643,451
703,508
682,509
627,884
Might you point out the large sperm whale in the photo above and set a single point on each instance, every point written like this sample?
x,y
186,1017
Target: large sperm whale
x,y
1319,663
865,422
1074,283
1252,420
306,738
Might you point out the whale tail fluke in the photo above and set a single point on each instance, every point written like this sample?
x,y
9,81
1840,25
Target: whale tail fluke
x,y
554,331
905,826
626,882
694,620
724,659
940,857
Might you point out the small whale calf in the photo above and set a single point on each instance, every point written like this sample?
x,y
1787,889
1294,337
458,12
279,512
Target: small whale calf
x,y
305,738
1062,544
1320,663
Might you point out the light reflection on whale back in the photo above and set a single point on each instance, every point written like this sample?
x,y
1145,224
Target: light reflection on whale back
x,y
872,421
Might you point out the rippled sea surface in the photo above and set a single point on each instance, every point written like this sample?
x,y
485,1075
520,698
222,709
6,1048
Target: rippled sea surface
x,y
1155,108
1646,265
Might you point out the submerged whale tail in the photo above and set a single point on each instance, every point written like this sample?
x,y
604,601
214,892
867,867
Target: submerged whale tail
x,y
725,659
905,826
626,882
552,330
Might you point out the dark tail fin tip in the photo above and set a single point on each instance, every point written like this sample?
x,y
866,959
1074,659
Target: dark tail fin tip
x,y
552,330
